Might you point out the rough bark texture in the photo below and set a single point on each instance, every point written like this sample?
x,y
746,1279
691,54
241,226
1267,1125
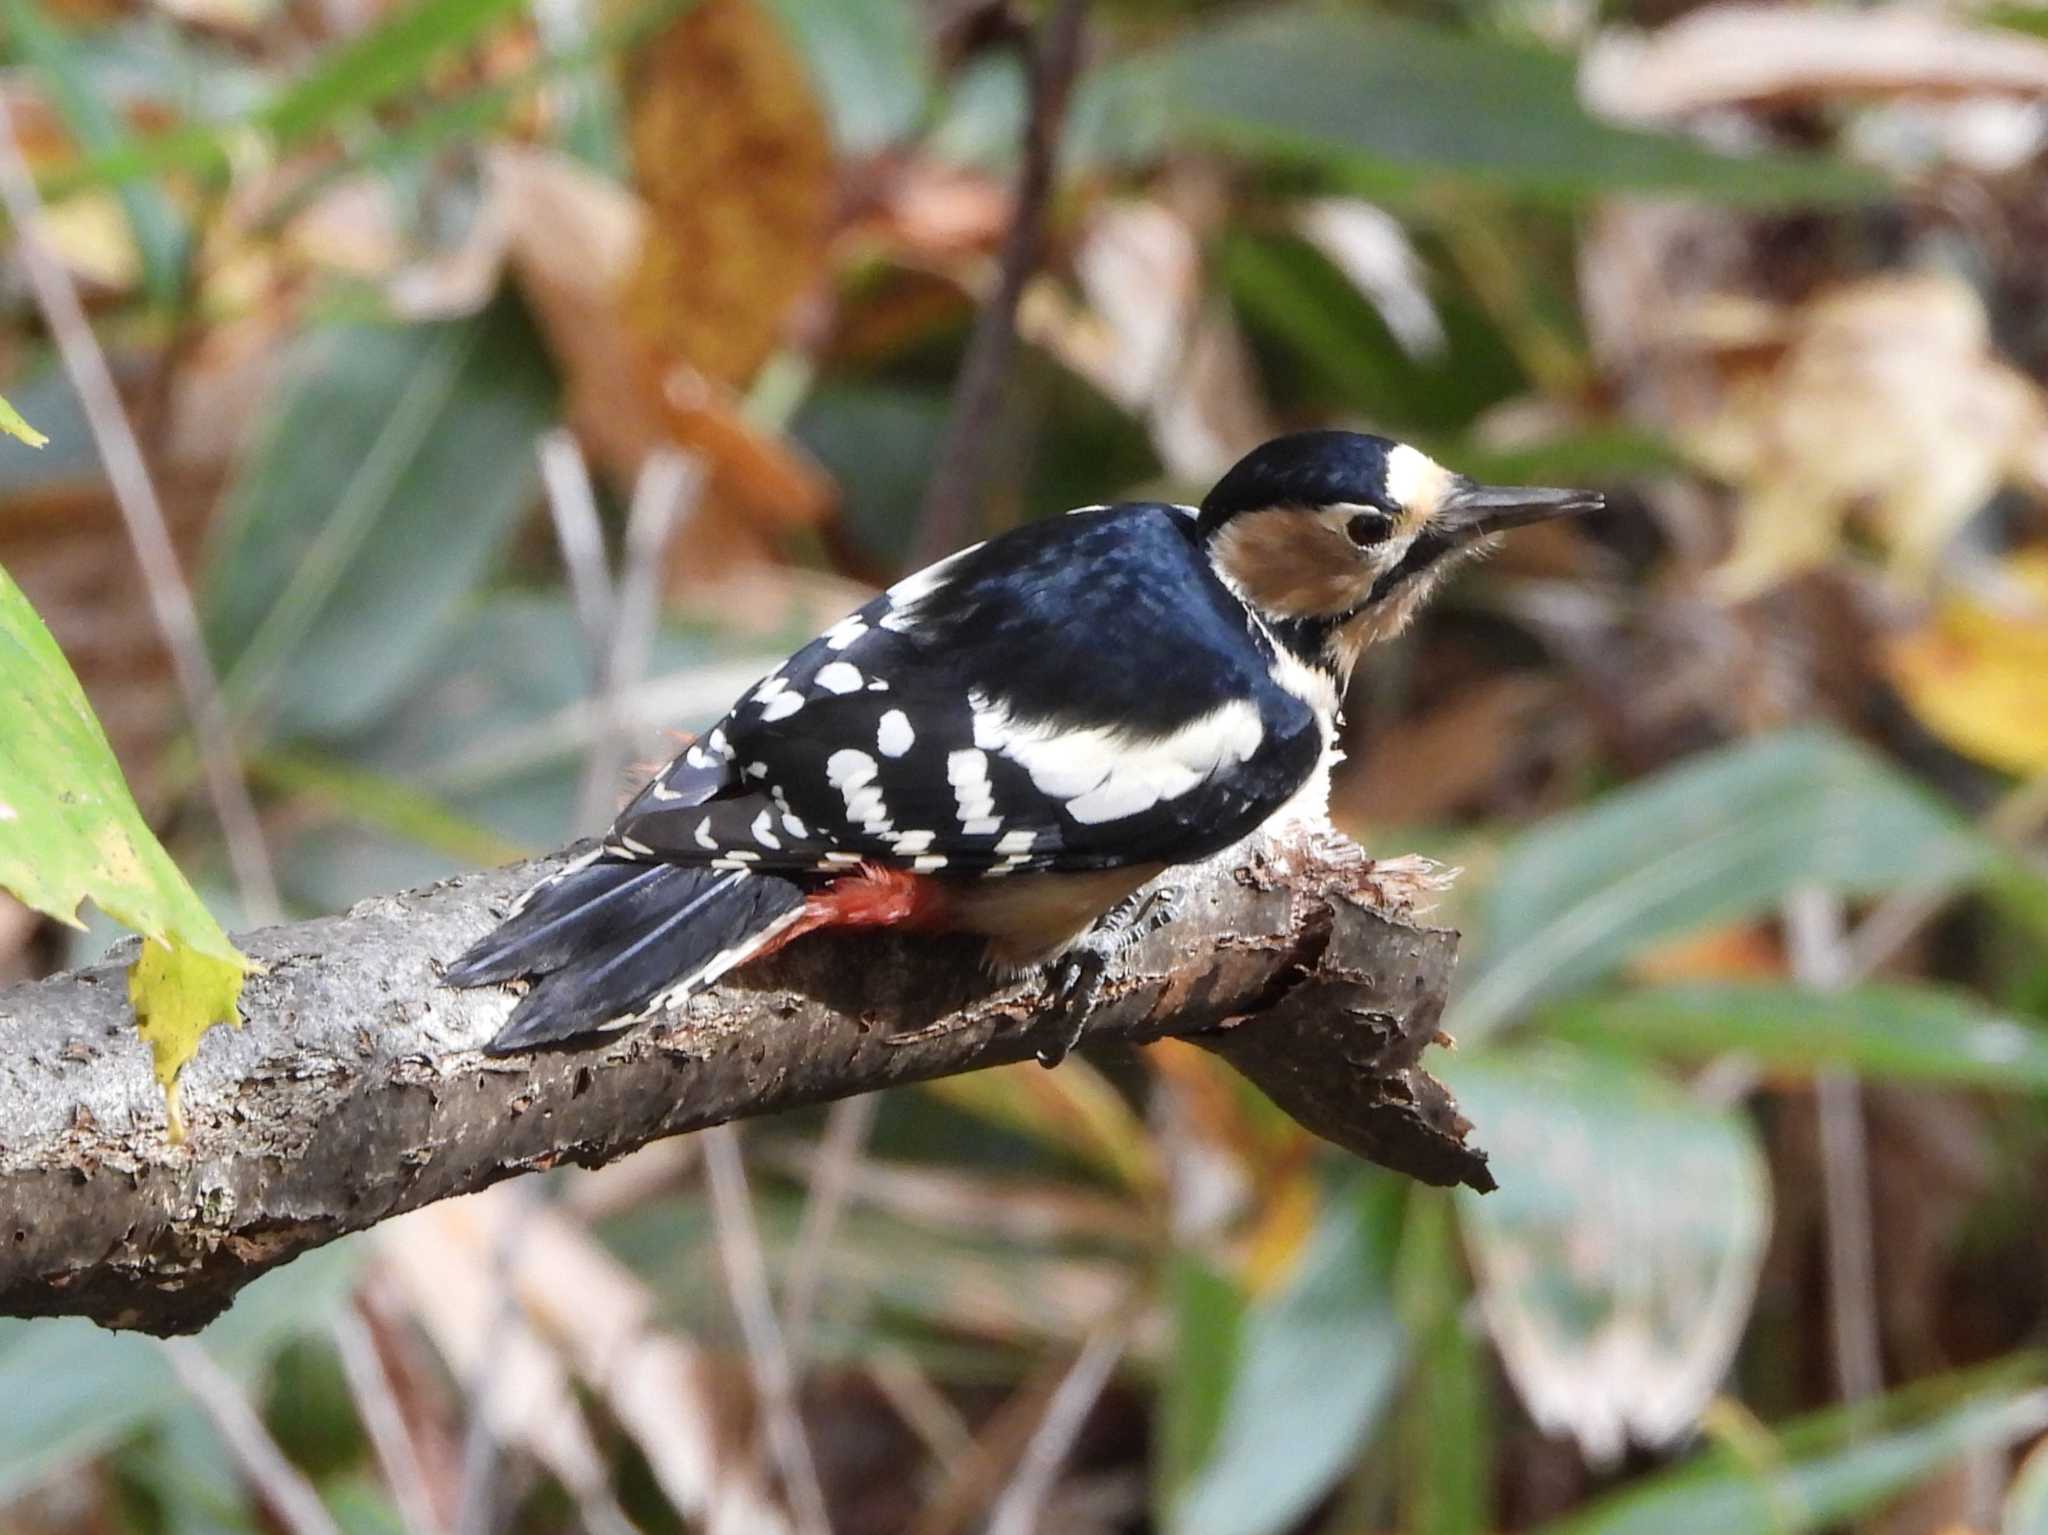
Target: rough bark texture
x,y
356,1089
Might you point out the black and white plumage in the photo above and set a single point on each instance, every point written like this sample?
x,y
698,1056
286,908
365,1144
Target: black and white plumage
x,y
1014,739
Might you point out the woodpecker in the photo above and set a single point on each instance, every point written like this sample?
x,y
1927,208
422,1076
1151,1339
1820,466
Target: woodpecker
x,y
1016,740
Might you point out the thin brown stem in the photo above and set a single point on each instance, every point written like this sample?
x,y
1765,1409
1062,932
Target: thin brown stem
x,y
1817,938
839,1152
663,498
1018,1510
746,1280
170,598
282,1487
957,479
377,1405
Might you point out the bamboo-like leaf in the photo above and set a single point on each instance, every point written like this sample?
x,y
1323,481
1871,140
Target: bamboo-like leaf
x,y
1918,1032
1401,104
1717,839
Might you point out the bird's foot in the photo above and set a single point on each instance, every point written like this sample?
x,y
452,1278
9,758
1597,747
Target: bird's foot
x,y
1075,984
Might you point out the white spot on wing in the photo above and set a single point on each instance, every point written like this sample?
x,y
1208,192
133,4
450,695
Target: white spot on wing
x,y
895,737
704,838
967,772
912,841
845,632
1016,841
793,826
852,773
782,706
840,677
763,831
928,862
1104,774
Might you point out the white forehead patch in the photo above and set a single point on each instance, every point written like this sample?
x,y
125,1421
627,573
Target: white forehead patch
x,y
1415,481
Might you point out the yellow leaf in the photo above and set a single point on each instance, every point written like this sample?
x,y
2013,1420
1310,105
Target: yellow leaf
x,y
1976,674
178,994
12,424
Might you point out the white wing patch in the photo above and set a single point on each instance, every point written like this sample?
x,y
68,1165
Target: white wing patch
x,y
967,772
852,773
1104,774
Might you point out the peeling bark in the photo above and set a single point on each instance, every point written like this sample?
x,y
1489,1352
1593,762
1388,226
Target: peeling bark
x,y
357,1090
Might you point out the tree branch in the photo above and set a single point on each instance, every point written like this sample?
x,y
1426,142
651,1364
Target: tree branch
x,y
357,1088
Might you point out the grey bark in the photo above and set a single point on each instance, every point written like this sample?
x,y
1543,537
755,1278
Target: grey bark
x,y
356,1088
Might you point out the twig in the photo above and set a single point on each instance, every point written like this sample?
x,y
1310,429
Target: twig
x,y
1017,1510
476,1503
572,506
170,599
377,1406
663,497
279,1483
920,1404
746,1280
1816,936
839,1150
956,483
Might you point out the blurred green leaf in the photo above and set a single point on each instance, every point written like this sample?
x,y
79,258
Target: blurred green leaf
x,y
72,1388
1319,1360
90,117
1449,1437
1830,1468
390,57
1398,104
872,64
1293,297
394,467
1618,1259
1208,1312
13,425
2026,1502
192,1484
1713,840
1920,1032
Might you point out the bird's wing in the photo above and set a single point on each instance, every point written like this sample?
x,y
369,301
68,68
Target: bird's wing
x,y
1080,694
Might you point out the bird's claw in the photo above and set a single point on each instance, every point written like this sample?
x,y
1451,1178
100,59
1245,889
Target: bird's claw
x,y
1078,974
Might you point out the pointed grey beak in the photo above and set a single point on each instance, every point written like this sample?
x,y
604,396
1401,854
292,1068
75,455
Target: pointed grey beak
x,y
1470,511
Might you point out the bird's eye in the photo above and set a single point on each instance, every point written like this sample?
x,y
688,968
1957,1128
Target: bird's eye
x,y
1369,528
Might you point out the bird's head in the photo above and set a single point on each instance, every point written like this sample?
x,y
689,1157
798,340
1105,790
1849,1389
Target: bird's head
x,y
1335,538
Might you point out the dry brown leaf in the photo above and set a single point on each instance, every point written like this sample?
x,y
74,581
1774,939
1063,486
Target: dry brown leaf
x,y
577,1309
1887,402
1976,672
1754,55
573,237
734,159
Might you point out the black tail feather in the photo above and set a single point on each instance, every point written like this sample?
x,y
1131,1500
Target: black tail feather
x,y
609,938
